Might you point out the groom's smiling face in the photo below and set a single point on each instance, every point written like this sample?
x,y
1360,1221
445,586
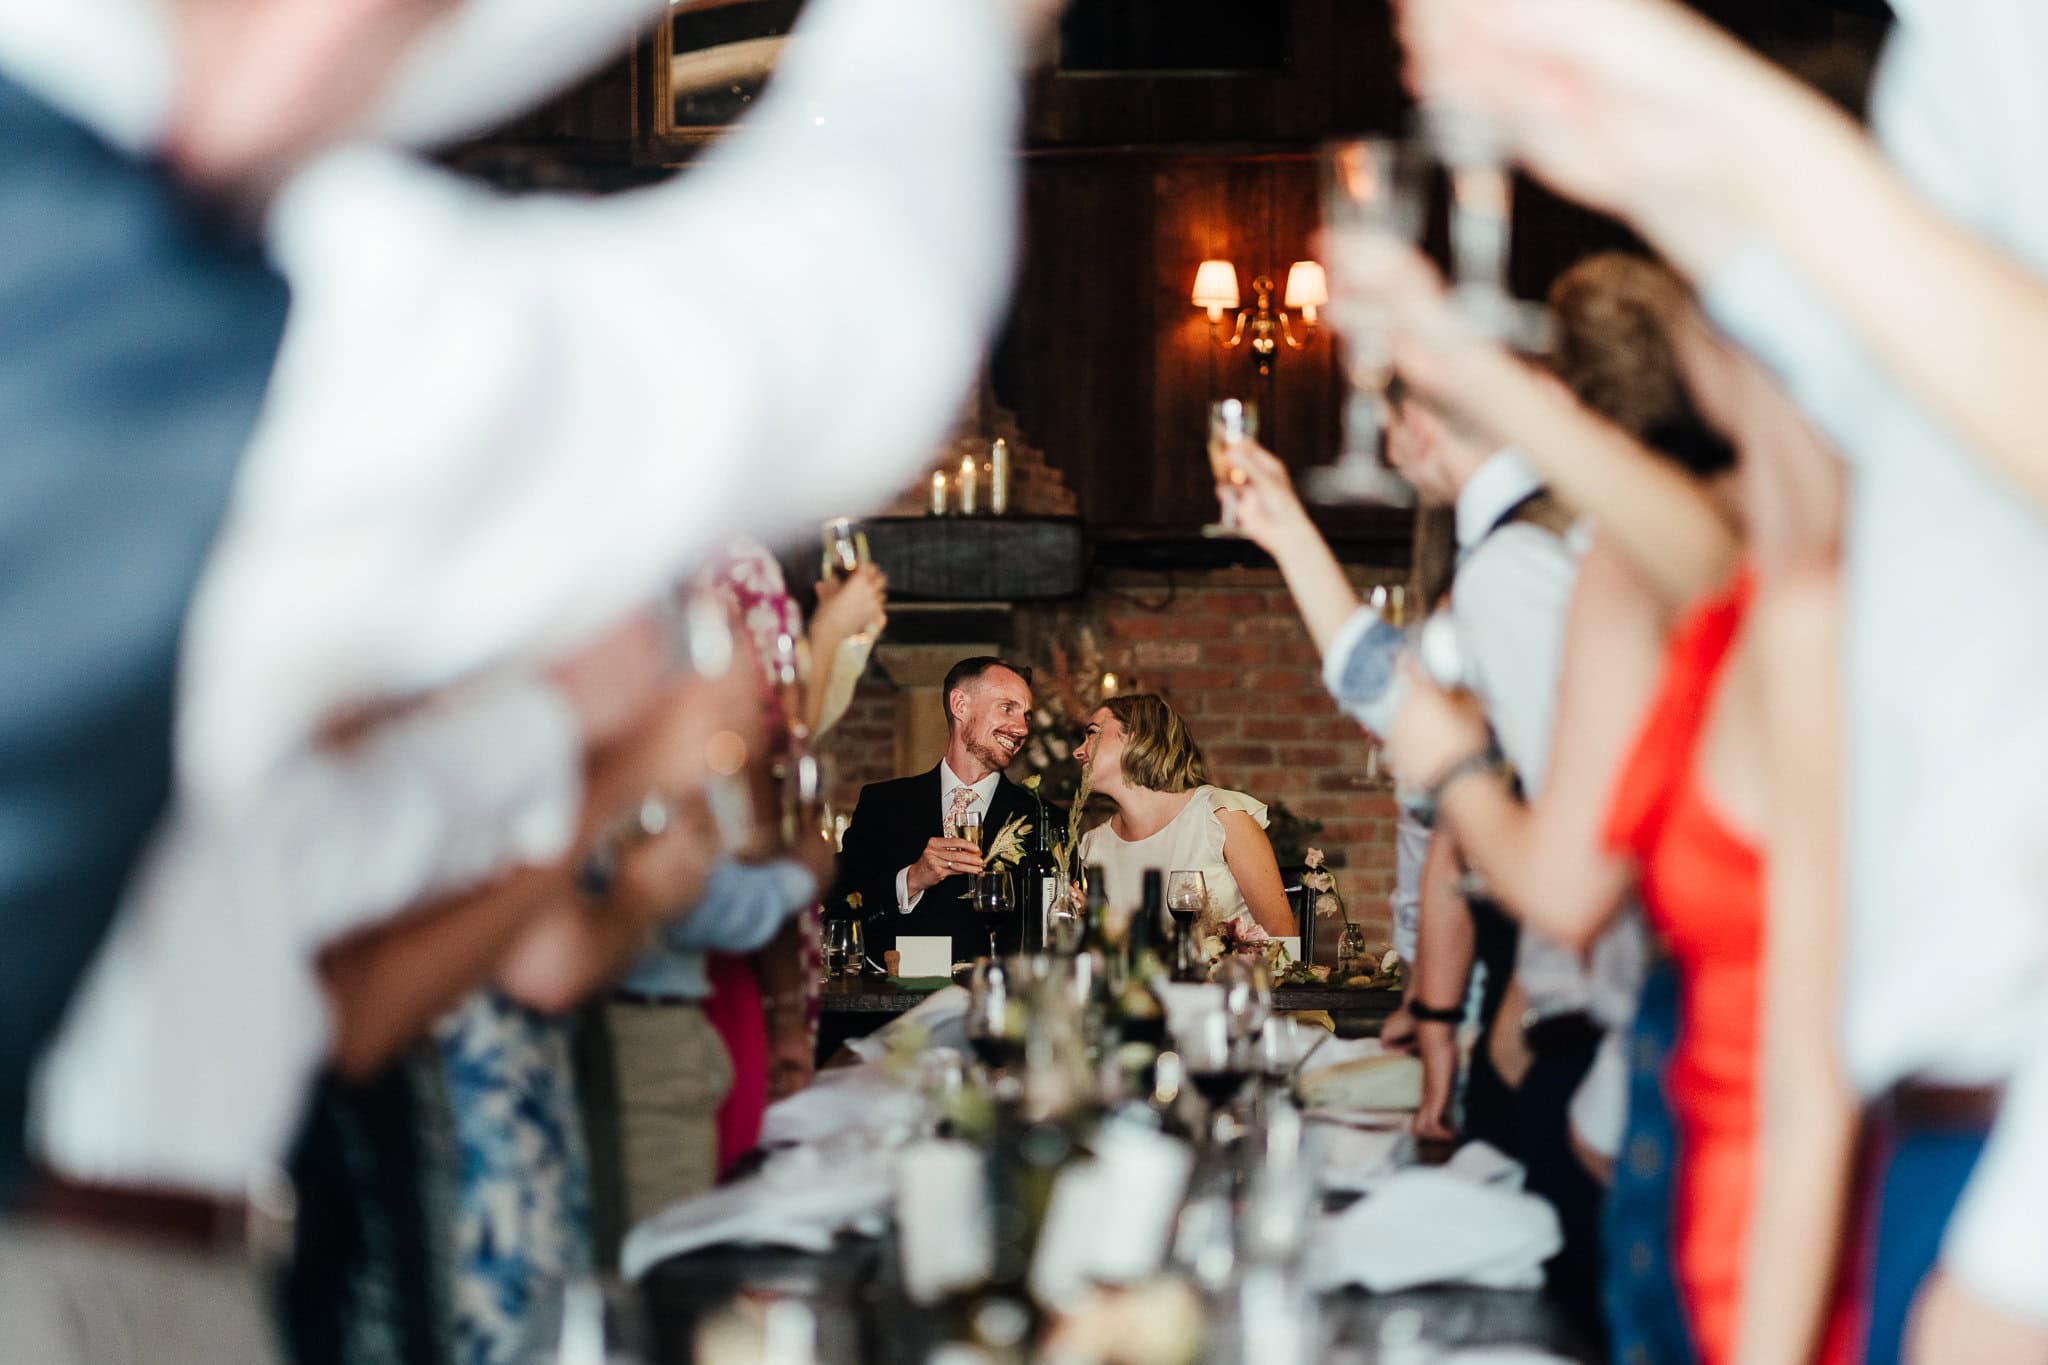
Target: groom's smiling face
x,y
994,716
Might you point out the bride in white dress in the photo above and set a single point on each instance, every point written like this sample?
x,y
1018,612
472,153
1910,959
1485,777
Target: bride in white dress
x,y
1139,754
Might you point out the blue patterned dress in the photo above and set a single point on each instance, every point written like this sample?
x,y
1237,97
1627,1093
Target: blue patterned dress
x,y
522,1186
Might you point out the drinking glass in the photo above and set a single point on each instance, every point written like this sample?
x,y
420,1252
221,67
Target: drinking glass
x,y
845,953
846,548
1247,996
996,1022
1372,188
591,1322
1231,420
970,830
1217,1062
995,900
1187,896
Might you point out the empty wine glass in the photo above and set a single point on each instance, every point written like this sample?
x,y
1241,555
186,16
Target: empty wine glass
x,y
995,900
1187,897
1247,996
1372,188
1231,420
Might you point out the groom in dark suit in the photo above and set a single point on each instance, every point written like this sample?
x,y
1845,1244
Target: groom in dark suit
x,y
901,854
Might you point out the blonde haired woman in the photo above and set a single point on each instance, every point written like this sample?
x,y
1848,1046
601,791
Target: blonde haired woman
x,y
1139,754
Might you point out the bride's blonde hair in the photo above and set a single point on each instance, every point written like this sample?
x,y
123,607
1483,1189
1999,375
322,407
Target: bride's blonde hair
x,y
1159,753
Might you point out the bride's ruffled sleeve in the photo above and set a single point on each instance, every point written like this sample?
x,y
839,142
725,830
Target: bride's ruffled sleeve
x,y
1221,800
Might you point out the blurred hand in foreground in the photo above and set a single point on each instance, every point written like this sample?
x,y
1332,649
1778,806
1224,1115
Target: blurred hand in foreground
x,y
1637,107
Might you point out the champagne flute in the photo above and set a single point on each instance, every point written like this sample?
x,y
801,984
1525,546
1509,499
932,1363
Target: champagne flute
x,y
1372,188
1231,420
970,830
846,548
1482,216
1187,896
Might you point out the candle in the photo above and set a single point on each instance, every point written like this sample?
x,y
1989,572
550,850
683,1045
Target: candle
x,y
938,492
999,478
969,477
1109,684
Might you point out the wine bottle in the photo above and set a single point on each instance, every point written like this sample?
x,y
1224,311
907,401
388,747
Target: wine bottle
x,y
1039,884
1140,1007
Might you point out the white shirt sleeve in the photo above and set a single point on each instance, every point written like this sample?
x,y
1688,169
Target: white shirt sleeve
x,y
905,901
487,60
498,424
430,802
1509,605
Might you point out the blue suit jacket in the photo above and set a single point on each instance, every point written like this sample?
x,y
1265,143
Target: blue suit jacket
x,y
135,342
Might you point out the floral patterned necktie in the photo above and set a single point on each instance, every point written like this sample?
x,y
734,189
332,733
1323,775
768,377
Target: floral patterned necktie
x,y
956,814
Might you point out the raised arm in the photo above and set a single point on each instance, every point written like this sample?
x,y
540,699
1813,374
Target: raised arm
x,y
1667,522
1710,151
1546,860
512,419
1800,1215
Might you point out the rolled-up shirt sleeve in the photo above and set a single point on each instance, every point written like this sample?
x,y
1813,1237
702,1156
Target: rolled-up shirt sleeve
x,y
1359,669
744,906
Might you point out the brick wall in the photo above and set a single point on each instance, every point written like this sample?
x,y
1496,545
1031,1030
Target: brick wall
x,y
1228,651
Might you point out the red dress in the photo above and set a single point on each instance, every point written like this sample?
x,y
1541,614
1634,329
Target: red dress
x,y
1703,888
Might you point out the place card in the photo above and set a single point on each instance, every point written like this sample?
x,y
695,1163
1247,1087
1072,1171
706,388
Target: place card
x,y
924,955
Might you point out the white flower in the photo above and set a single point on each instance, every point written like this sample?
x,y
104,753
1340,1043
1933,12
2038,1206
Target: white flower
x,y
1313,857
1039,760
1319,881
1043,717
1058,747
1389,962
1327,904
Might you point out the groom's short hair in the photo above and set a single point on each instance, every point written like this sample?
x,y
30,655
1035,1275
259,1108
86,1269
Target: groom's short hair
x,y
967,670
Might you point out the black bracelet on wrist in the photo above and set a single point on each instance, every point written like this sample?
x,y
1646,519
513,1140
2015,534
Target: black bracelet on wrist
x,y
1430,1014
1486,760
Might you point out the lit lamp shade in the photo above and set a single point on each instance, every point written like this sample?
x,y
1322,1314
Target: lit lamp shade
x,y
1216,288
1308,288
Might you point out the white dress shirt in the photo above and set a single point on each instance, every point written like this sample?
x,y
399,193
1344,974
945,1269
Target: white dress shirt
x,y
1947,968
1509,603
983,792
495,426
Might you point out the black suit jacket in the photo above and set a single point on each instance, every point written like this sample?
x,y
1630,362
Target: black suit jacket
x,y
892,823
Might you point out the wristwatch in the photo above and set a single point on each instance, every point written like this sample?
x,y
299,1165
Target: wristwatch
x,y
598,873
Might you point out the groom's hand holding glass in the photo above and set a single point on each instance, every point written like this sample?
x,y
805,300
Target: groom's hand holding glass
x,y
943,857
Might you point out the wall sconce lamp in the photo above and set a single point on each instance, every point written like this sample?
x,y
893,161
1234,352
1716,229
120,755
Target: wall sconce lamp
x,y
1264,326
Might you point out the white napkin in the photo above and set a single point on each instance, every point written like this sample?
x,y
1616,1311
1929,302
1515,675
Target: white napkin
x,y
861,1099
1337,1050
1361,1159
942,1015
1453,1225
801,1198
